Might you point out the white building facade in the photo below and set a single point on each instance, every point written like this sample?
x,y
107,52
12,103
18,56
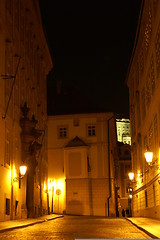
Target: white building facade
x,y
123,130
81,164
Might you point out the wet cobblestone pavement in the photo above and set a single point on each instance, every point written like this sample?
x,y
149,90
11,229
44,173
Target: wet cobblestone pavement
x,y
72,227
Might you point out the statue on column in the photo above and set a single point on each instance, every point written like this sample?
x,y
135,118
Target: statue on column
x,y
30,147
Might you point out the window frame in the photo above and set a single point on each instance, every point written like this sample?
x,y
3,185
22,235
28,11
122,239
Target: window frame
x,y
92,130
62,132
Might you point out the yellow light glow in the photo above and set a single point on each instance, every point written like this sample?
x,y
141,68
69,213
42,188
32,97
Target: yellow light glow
x,y
60,184
23,170
14,172
159,161
130,195
131,175
44,186
57,194
51,184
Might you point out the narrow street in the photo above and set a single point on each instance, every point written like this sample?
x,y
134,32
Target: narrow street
x,y
72,227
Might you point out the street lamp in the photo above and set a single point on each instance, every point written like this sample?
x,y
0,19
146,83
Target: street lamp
x,y
148,156
22,172
131,176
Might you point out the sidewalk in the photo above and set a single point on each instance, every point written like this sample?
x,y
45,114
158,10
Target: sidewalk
x,y
13,224
151,226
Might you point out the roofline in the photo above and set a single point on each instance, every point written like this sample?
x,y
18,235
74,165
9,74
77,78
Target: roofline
x,y
81,114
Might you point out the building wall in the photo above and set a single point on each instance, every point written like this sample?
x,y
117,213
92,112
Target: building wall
x,y
144,85
24,58
83,182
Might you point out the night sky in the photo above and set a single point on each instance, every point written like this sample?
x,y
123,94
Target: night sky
x,y
91,46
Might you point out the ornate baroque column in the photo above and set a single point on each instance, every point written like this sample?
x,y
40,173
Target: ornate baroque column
x,y
30,146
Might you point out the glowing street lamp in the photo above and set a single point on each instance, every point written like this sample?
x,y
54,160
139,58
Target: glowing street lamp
x,y
148,156
131,176
23,170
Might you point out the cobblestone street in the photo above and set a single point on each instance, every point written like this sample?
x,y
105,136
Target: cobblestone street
x,y
72,227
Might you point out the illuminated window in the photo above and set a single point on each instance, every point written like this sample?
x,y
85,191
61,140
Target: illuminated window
x,y
91,130
62,132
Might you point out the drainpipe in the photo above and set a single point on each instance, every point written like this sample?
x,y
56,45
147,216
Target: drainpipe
x,y
109,170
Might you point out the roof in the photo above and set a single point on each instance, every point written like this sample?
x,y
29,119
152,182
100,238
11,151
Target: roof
x,y
76,142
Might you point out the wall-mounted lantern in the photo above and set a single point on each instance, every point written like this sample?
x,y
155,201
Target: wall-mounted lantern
x,y
22,172
131,176
148,156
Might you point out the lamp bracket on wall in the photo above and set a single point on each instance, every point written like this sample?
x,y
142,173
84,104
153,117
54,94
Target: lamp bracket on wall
x,y
16,179
14,79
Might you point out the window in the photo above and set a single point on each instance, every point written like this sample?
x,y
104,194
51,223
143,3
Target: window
x,y
20,181
16,207
143,103
146,199
157,45
154,195
151,136
152,76
62,132
7,206
91,130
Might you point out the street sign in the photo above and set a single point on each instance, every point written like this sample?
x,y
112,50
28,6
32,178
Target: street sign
x,y
58,192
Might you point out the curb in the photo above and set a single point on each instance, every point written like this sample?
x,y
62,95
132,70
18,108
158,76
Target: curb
x,y
143,230
28,224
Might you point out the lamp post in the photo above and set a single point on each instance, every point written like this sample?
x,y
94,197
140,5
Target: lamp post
x,y
22,172
109,167
130,191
